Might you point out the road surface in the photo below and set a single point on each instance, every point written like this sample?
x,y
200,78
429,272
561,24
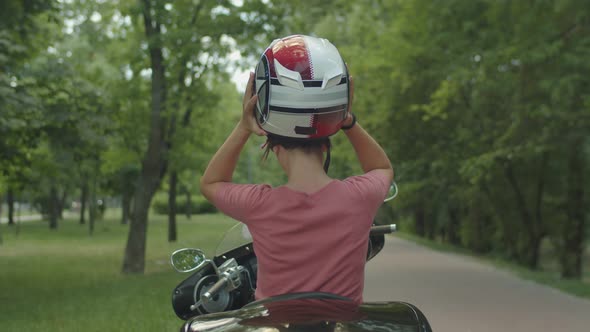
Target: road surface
x,y
460,294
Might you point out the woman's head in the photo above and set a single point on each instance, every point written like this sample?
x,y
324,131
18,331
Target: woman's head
x,y
310,147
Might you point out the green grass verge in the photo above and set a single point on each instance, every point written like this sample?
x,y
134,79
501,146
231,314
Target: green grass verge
x,y
549,277
66,280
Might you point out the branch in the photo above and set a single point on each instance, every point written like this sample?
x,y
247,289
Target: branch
x,y
147,17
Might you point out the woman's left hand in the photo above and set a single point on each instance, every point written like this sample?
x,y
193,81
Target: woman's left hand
x,y
248,120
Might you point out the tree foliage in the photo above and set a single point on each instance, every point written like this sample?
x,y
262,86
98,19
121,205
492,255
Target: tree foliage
x,y
483,107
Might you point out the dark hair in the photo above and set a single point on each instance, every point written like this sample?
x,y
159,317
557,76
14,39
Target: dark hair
x,y
306,144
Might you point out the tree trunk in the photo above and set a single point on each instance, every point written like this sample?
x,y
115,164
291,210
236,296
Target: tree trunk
x,y
126,207
538,221
541,189
172,207
10,202
134,260
154,164
83,200
419,219
473,226
1,201
171,132
431,221
575,226
529,253
452,232
189,205
508,238
61,204
534,252
53,207
92,207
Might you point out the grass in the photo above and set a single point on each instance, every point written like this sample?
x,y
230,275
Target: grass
x,y
547,275
66,280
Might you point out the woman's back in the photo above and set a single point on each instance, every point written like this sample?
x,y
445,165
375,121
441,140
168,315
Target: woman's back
x,y
308,242
311,234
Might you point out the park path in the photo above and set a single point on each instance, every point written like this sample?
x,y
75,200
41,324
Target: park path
x,y
460,294
4,220
36,217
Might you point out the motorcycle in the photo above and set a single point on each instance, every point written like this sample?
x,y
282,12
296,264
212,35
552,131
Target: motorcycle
x,y
219,295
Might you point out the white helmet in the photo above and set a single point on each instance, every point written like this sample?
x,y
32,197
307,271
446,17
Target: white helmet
x,y
303,88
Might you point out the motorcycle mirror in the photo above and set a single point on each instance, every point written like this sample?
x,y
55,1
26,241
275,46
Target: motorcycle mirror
x,y
187,260
392,192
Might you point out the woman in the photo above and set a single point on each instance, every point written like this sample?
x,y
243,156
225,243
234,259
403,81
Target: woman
x,y
311,233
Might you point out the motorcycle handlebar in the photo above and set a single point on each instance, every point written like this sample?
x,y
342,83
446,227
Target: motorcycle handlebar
x,y
385,229
211,292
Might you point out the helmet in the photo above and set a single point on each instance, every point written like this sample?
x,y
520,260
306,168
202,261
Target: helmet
x,y
303,88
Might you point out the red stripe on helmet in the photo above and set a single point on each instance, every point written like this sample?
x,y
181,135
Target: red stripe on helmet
x,y
327,124
293,54
271,63
312,123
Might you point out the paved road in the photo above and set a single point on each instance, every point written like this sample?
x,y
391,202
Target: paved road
x,y
460,294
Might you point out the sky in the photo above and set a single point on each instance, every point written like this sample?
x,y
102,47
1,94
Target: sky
x,y
240,76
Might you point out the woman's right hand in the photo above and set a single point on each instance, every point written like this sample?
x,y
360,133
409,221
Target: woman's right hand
x,y
348,120
248,120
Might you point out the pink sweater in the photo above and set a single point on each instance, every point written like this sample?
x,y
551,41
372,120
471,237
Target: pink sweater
x,y
308,242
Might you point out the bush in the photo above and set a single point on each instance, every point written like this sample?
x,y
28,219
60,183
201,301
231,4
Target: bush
x,y
198,205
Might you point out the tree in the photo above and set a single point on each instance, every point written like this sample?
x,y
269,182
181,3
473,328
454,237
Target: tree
x,y
215,24
21,38
477,100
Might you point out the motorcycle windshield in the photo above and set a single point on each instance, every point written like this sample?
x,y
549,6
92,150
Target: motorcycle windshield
x,y
237,236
